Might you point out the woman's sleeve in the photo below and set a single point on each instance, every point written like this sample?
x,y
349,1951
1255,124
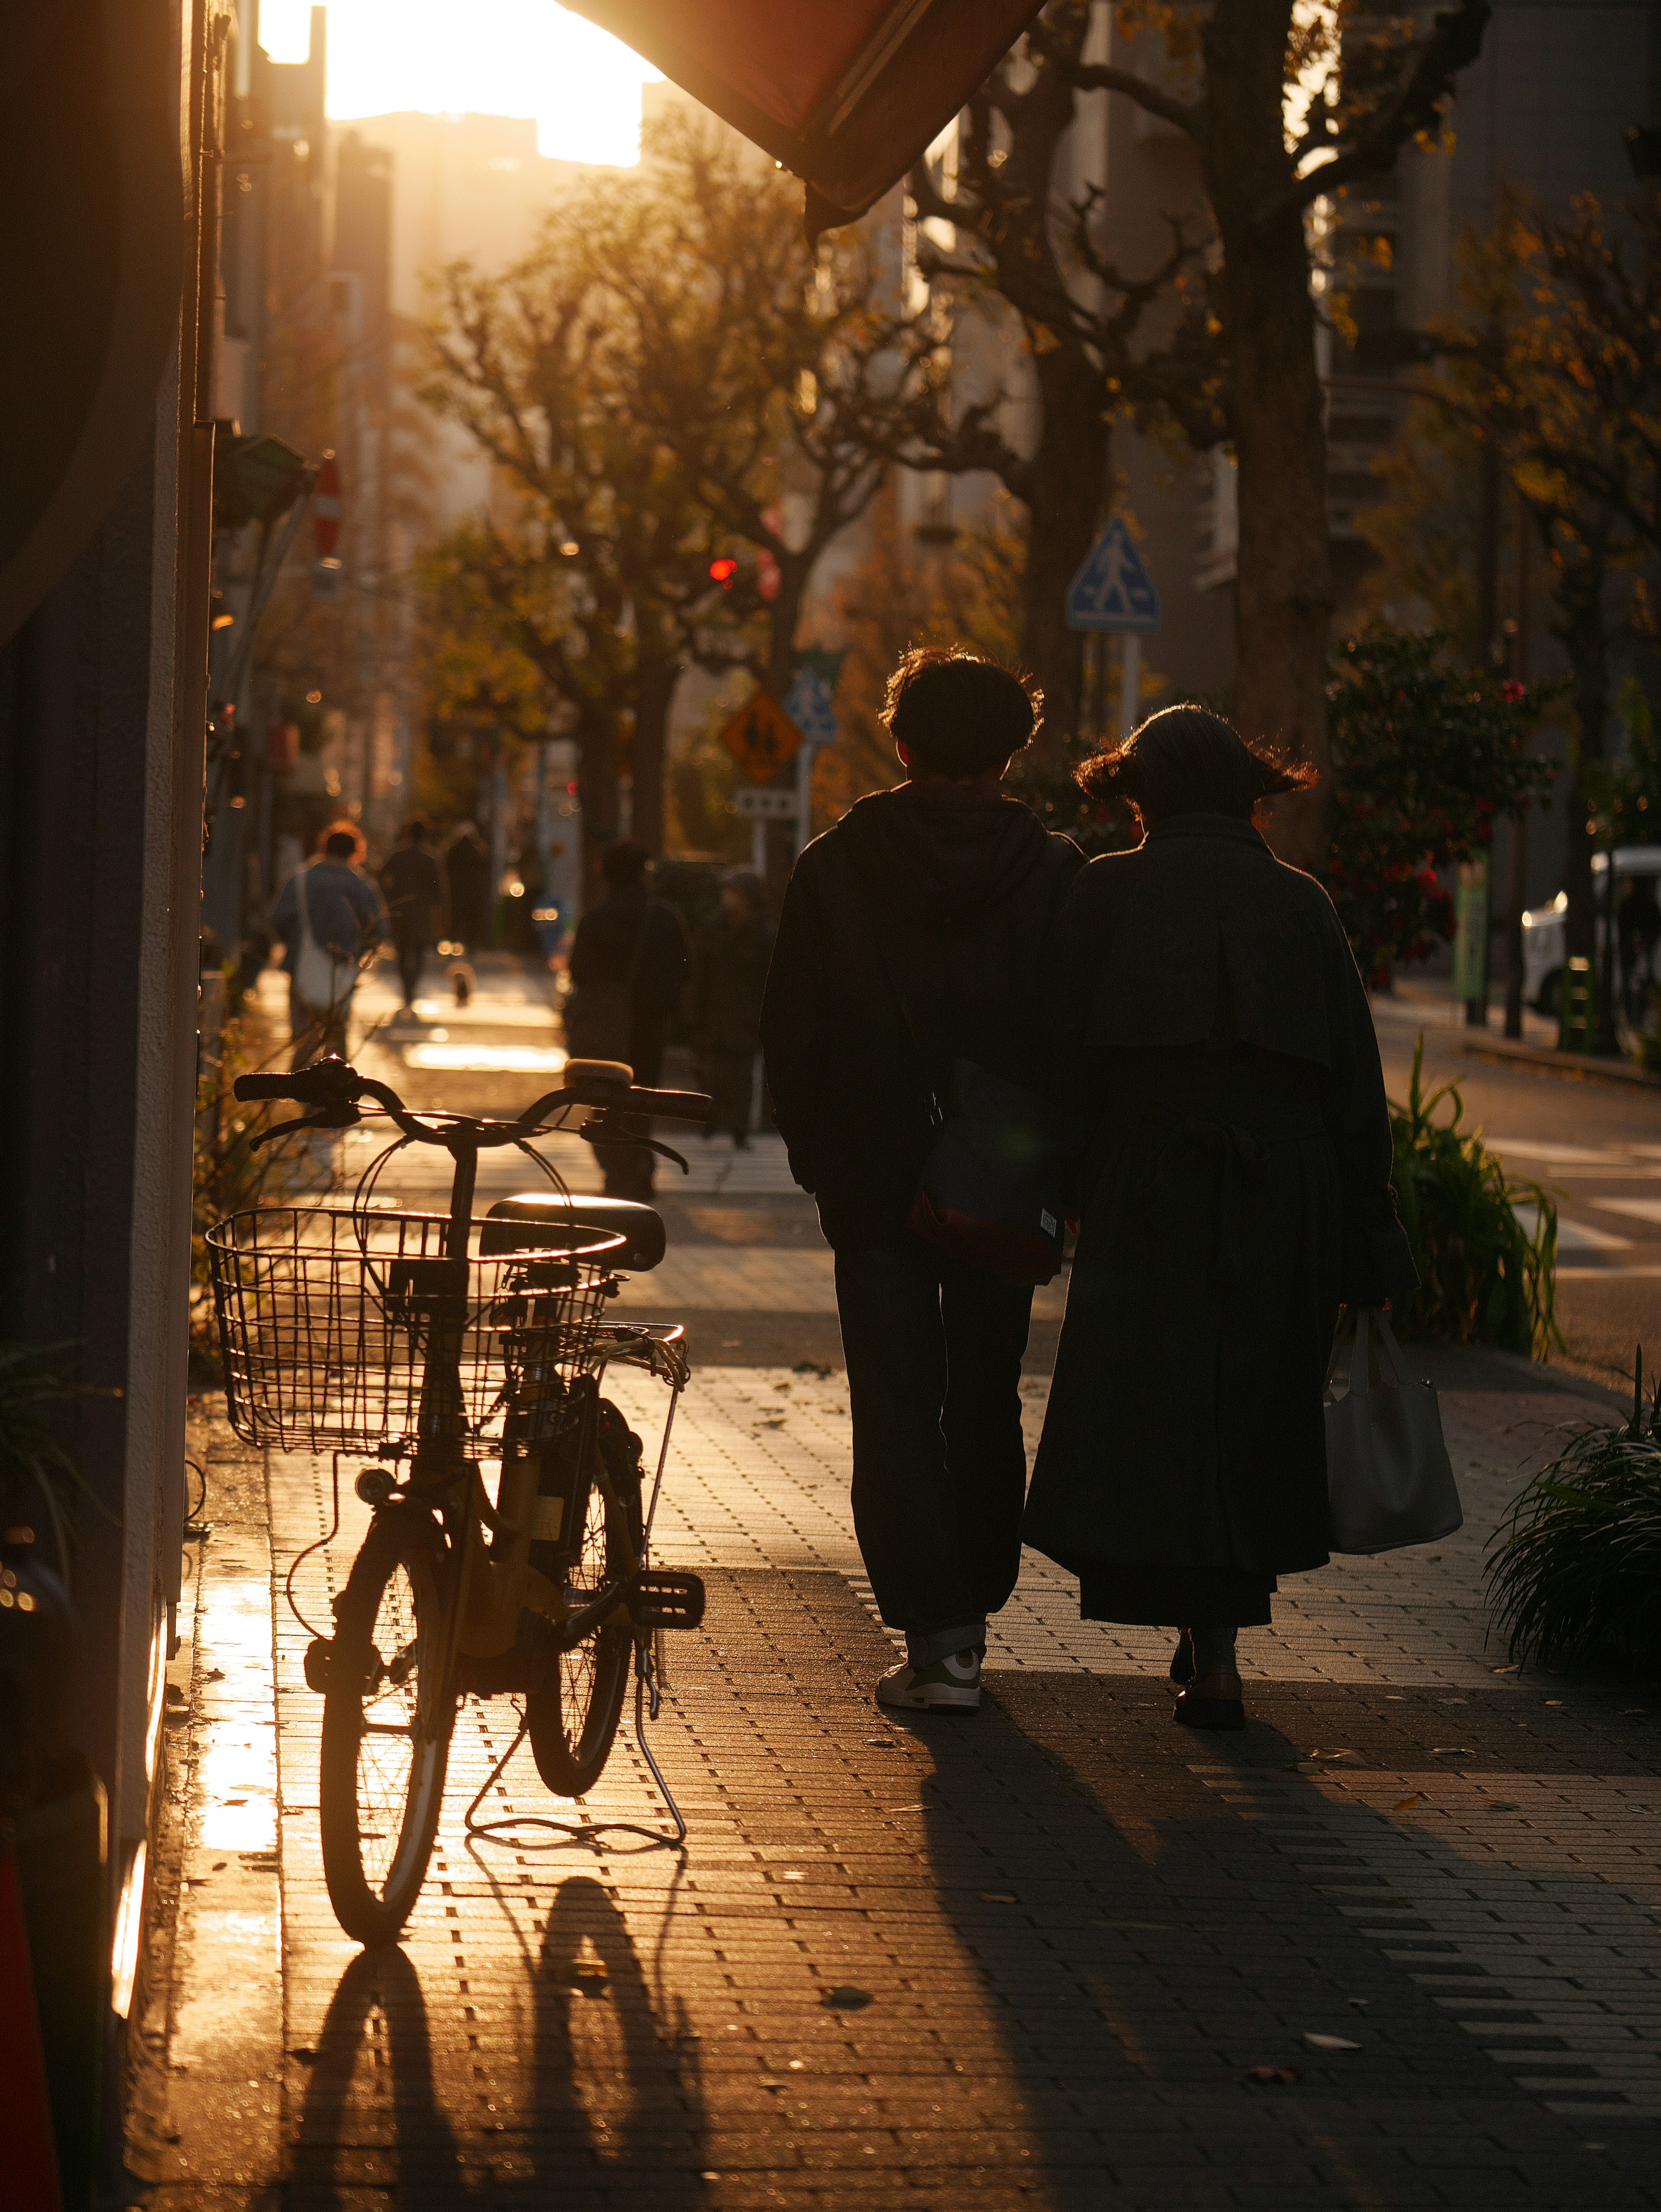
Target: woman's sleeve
x,y
1064,1001
1376,1261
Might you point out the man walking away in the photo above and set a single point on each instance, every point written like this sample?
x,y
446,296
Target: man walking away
x,y
412,884
911,936
628,967
467,877
329,918
734,949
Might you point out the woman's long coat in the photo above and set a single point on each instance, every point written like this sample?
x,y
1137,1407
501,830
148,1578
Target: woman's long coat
x,y
1212,1025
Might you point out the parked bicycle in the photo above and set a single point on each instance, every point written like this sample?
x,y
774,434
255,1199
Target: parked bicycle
x,y
439,1345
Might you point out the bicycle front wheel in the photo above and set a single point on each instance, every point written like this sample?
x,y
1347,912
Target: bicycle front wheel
x,y
386,1723
572,1717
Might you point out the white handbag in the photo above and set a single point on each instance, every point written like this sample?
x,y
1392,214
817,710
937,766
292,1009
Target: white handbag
x,y
1389,1480
324,983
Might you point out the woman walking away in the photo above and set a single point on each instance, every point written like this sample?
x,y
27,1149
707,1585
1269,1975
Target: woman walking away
x,y
1210,1023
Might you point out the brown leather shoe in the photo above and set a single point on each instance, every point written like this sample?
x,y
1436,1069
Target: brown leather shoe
x,y
1213,1699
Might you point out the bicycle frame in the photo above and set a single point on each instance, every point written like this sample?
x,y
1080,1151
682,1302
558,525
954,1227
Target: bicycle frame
x,y
493,1586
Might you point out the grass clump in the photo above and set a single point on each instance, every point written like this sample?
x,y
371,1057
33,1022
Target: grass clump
x,y
1575,1574
1483,1277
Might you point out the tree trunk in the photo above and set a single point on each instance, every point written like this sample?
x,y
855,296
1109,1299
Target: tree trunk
x,y
1068,478
655,696
1283,590
597,789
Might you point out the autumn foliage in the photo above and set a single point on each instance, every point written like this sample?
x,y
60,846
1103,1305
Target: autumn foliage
x,y
1425,755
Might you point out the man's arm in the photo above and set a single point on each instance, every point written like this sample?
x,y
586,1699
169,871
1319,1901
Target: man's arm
x,y
791,1026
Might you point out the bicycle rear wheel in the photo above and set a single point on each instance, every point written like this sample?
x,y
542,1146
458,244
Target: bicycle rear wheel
x,y
572,1717
386,1723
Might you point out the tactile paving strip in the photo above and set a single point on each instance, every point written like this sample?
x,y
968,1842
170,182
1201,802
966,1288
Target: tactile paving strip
x,y
1527,1905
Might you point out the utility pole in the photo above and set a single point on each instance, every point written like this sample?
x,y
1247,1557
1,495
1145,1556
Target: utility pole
x,y
1517,854
1488,612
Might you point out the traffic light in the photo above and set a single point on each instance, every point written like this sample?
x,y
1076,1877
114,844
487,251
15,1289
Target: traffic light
x,y
724,571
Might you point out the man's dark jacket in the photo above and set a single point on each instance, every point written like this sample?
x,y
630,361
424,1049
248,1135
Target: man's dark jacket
x,y
412,884
631,938
732,978
946,897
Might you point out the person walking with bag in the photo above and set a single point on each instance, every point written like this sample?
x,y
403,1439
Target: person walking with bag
x,y
1207,1017
910,939
329,918
629,963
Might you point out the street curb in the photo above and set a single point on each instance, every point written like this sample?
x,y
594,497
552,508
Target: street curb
x,y
1576,1067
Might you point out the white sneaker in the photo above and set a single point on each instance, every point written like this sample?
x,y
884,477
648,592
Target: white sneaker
x,y
951,1684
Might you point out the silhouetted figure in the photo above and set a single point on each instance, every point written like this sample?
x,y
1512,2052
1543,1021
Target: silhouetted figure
x,y
628,967
944,891
412,884
467,875
1208,1021
1638,933
734,949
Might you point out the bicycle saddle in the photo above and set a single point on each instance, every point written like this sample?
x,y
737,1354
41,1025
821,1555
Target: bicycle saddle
x,y
642,1224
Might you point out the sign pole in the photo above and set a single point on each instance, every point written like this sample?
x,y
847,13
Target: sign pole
x,y
805,794
1130,682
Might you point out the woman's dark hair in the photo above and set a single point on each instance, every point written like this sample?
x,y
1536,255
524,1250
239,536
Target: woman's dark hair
x,y
1186,760
956,714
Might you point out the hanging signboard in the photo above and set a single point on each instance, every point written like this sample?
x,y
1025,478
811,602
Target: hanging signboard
x,y
761,737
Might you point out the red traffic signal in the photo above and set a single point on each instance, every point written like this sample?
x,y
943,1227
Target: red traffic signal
x,y
325,506
724,571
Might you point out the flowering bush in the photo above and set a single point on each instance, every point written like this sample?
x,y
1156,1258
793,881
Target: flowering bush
x,y
1425,755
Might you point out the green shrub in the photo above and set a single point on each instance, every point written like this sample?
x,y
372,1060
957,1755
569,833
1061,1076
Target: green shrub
x,y
1575,1574
1483,1278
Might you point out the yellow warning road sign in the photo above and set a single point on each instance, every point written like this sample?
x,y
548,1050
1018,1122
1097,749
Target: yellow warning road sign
x,y
761,737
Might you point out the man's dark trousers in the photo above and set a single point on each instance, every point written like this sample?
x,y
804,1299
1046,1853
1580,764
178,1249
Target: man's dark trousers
x,y
933,1351
412,952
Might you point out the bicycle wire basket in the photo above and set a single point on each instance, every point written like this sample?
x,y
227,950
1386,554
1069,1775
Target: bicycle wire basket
x,y
354,1331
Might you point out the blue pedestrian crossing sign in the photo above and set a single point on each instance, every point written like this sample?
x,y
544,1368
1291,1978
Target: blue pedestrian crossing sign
x,y
1113,590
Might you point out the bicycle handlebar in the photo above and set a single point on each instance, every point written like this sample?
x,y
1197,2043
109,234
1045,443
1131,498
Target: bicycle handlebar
x,y
334,1087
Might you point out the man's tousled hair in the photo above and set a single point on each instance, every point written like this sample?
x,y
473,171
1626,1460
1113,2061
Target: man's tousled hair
x,y
958,713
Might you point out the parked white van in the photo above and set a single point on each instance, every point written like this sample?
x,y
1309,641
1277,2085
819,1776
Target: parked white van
x,y
1543,925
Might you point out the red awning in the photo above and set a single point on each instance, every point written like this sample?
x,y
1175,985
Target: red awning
x,y
846,92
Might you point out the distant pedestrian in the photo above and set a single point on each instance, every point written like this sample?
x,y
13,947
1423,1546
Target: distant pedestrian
x,y
467,877
910,936
412,884
734,949
329,918
1210,1023
629,963
1638,934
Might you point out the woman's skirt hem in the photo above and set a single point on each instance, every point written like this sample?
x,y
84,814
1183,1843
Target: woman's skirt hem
x,y
1175,1597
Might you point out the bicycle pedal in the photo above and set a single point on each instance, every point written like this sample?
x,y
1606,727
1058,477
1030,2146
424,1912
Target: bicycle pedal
x,y
665,1597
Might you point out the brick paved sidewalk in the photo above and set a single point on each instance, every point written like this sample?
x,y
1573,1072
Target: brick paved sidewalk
x,y
1071,1930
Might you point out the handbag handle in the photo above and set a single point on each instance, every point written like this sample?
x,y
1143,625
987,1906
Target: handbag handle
x,y
1384,1347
